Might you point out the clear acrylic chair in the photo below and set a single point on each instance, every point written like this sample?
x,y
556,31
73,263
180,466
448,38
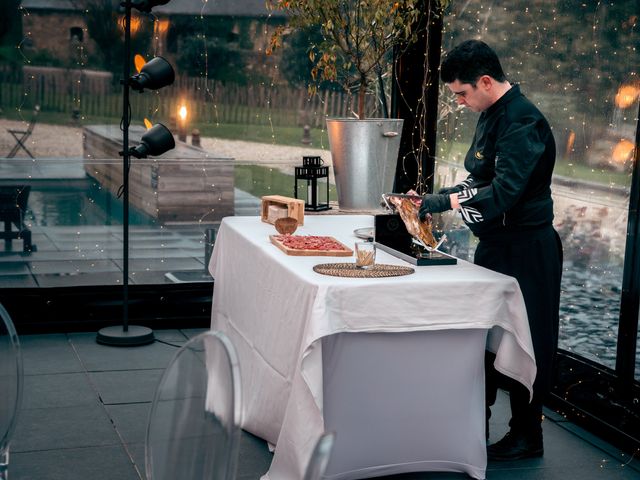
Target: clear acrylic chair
x,y
320,457
194,424
11,377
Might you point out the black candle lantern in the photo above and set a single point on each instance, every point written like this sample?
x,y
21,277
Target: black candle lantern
x,y
308,174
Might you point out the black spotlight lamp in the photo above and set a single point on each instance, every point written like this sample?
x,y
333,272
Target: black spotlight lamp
x,y
155,74
156,141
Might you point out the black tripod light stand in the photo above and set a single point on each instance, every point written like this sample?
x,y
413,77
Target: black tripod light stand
x,y
155,74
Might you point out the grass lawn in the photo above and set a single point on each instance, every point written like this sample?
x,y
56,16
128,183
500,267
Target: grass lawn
x,y
264,133
258,181
592,174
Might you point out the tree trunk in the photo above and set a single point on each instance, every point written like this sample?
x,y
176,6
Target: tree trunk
x,y
361,96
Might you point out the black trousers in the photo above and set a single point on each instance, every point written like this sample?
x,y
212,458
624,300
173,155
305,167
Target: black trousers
x,y
534,258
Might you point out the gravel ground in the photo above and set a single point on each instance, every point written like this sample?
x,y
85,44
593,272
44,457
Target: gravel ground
x,y
262,152
62,141
45,141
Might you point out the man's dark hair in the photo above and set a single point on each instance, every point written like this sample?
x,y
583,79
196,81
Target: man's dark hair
x,y
469,61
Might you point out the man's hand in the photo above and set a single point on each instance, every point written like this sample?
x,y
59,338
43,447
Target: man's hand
x,y
434,203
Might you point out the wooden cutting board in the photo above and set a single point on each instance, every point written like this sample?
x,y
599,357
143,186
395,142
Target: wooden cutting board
x,y
347,252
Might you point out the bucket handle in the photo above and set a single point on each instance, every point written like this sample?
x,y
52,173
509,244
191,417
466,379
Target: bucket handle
x,y
390,134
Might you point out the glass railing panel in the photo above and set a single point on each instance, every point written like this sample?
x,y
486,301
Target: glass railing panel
x,y
578,62
241,121
74,213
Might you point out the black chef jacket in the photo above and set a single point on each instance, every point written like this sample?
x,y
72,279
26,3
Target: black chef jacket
x,y
510,163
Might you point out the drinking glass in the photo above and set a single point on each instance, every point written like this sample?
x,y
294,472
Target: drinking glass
x,y
365,254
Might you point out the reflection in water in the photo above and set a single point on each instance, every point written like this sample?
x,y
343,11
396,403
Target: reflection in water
x,y
77,203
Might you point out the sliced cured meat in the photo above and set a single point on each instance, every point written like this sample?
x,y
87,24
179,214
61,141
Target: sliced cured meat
x,y
310,242
310,245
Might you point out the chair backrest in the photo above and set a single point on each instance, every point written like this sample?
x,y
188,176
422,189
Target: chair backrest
x,y
32,122
11,377
320,457
194,424
21,136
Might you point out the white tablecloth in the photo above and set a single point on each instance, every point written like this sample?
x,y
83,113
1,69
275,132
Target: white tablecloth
x,y
276,310
405,402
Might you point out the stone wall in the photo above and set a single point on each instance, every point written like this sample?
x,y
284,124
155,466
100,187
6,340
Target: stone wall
x,y
51,30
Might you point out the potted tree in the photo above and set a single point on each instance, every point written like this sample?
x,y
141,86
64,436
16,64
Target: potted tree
x,y
358,39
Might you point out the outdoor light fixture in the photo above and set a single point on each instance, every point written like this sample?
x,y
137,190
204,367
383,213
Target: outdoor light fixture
x,y
155,74
157,140
182,112
310,176
182,123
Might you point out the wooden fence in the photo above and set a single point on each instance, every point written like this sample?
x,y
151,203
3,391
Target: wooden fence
x,y
91,94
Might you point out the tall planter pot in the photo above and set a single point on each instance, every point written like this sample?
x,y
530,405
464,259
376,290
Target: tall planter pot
x,y
364,154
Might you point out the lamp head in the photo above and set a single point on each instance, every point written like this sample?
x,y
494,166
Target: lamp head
x,y
155,141
155,74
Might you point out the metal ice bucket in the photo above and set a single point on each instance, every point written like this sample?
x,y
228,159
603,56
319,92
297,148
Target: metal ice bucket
x,y
364,154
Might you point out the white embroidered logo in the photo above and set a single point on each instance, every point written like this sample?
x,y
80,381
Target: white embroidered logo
x,y
471,215
466,183
466,195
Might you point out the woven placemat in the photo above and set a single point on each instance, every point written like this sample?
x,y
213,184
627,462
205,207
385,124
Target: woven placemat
x,y
350,270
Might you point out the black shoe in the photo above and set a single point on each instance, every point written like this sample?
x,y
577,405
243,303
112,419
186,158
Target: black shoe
x,y
515,446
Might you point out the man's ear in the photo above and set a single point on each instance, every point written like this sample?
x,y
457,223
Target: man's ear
x,y
485,82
